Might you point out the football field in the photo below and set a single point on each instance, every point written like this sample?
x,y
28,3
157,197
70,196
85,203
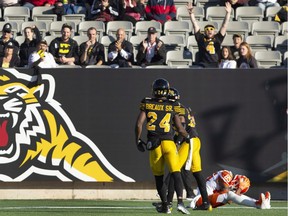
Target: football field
x,y
120,208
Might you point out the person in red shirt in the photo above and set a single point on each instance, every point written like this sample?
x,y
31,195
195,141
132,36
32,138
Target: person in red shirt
x,y
34,3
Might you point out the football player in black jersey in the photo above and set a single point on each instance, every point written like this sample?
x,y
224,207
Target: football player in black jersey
x,y
189,152
160,115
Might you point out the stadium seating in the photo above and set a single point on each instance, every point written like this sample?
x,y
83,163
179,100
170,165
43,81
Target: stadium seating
x,y
76,18
284,28
41,25
281,43
270,28
20,39
249,14
99,25
260,43
14,25
113,26
268,59
271,12
136,40
80,39
45,14
215,13
141,27
183,15
106,40
238,27
49,38
55,28
16,13
173,42
178,58
181,28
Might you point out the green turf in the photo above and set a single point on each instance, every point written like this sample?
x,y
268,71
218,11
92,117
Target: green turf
x,y
119,208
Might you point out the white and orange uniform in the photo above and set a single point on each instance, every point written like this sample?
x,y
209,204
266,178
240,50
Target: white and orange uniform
x,y
222,188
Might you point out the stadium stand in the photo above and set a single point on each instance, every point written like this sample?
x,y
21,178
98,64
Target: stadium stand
x,y
259,42
41,25
173,42
268,59
183,15
280,43
270,28
85,25
181,28
113,26
178,58
17,14
249,14
217,13
141,27
45,14
80,39
271,12
106,40
238,27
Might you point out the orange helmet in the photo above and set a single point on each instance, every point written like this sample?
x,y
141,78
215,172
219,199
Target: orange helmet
x,y
226,176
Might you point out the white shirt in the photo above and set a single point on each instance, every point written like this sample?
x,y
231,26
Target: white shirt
x,y
48,62
228,64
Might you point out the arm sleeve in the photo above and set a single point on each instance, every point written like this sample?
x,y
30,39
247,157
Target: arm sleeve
x,y
37,34
140,58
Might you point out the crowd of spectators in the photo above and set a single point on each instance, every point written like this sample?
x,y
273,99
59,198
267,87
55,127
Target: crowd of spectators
x,y
33,52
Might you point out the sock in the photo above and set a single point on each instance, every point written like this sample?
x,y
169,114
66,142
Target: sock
x,y
178,184
241,199
201,185
161,188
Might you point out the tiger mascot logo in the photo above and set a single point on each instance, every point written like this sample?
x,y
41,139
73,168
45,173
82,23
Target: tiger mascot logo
x,y
37,137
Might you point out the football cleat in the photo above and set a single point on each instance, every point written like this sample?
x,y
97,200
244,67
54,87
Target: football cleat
x,y
181,208
163,209
204,206
264,201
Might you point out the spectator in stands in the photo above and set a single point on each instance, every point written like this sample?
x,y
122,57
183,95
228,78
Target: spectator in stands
x,y
226,58
235,3
151,51
209,43
120,52
161,11
7,36
10,58
246,59
133,11
264,4
282,14
64,48
237,40
40,58
34,3
9,3
105,10
91,51
29,45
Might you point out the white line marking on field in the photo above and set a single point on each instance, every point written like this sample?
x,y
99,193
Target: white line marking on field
x,y
107,207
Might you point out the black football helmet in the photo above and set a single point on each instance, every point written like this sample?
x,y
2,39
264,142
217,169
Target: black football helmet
x,y
160,88
173,94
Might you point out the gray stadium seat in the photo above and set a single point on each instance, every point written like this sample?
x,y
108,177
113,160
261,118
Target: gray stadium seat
x,y
113,26
271,28
271,12
136,40
259,42
106,40
238,27
284,28
141,27
215,13
192,46
183,15
268,59
228,41
249,14
206,3
80,39
76,18
16,13
20,39
49,38
84,26
181,28
180,3
173,42
45,14
178,58
280,43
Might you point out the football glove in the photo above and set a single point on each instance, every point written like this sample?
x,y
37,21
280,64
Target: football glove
x,y
187,139
140,145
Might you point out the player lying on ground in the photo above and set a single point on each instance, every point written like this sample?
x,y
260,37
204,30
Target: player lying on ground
x,y
222,188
